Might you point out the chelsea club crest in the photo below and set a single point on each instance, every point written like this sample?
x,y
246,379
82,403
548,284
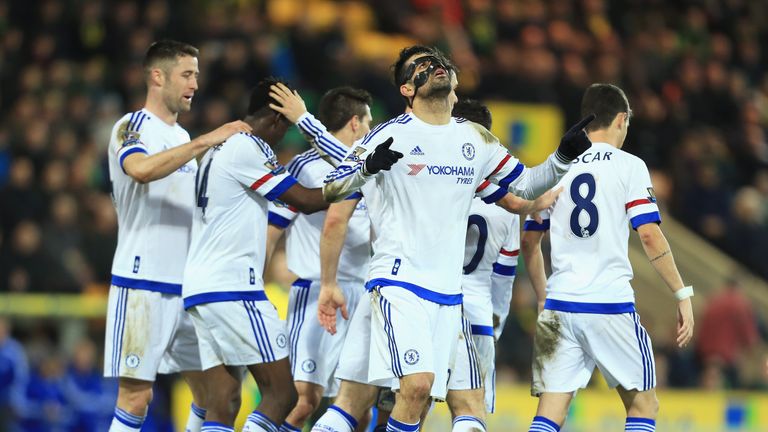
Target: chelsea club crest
x,y
468,151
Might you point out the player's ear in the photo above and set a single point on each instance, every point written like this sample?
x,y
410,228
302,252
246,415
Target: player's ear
x,y
407,90
354,123
156,76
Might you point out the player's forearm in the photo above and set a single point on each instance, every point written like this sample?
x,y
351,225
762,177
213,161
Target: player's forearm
x,y
331,244
341,182
539,179
145,169
534,263
273,235
322,140
514,204
660,255
501,293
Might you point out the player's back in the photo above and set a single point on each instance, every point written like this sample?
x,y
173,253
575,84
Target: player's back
x,y
154,218
226,255
605,191
489,229
303,235
422,212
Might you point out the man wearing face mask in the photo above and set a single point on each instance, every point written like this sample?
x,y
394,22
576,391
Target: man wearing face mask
x,y
420,223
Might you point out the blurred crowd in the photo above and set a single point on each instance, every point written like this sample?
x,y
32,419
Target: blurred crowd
x,y
695,72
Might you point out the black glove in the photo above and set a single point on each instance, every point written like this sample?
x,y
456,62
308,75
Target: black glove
x,y
575,141
382,158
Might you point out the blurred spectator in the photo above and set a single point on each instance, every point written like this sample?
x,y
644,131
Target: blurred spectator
x,y
726,330
44,407
14,375
747,235
90,396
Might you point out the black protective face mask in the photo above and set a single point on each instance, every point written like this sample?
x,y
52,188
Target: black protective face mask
x,y
419,79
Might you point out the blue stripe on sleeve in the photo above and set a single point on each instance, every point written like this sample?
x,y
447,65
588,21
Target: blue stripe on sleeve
x,y
492,198
504,270
532,225
505,182
322,142
653,217
281,187
354,195
277,220
130,152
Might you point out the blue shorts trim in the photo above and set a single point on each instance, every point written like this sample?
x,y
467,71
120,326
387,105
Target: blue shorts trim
x,y
593,308
163,287
435,297
482,330
215,297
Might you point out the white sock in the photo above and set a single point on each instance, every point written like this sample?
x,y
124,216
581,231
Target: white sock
x,y
287,427
468,424
210,426
125,422
335,419
195,419
398,426
258,422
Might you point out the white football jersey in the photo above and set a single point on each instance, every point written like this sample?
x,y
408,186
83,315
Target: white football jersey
x,y
303,231
154,219
607,190
229,232
492,247
421,216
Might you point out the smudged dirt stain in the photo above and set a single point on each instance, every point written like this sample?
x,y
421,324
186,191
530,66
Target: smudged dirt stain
x,y
136,333
487,136
545,341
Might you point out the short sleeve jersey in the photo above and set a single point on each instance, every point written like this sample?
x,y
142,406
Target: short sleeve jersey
x,y
492,246
226,257
422,204
154,219
605,192
303,231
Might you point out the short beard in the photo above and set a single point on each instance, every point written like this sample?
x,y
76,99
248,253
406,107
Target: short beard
x,y
437,90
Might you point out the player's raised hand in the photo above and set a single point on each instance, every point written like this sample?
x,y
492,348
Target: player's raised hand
x,y
293,105
684,322
575,141
223,132
382,158
330,299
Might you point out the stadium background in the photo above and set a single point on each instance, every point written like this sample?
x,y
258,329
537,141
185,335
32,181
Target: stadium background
x,y
696,74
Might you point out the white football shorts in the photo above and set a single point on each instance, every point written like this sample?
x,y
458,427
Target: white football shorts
x,y
313,351
568,346
148,333
466,371
239,333
411,335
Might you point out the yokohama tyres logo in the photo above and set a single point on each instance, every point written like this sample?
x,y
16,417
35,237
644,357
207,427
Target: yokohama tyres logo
x,y
416,168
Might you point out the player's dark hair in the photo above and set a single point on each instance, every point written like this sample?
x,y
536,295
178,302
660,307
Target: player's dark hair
x,y
339,105
473,110
167,50
605,101
258,105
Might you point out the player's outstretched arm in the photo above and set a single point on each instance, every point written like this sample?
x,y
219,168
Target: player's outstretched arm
x,y
658,252
530,183
530,246
514,204
358,168
145,168
293,108
303,199
332,239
